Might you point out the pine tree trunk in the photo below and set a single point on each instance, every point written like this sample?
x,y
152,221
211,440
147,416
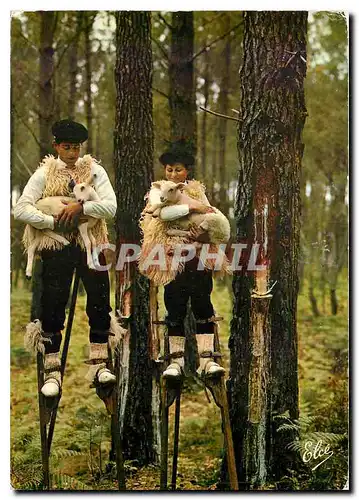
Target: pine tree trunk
x,y
88,72
263,342
182,101
133,163
205,174
222,123
73,68
182,97
46,103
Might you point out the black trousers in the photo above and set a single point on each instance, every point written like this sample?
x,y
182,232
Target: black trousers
x,y
194,285
58,269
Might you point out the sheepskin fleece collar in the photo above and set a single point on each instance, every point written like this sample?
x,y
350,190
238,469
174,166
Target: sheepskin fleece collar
x,y
57,184
58,176
154,231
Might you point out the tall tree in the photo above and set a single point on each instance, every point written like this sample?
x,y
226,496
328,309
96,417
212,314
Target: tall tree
x,y
48,21
222,124
89,20
133,157
73,65
263,381
182,97
206,78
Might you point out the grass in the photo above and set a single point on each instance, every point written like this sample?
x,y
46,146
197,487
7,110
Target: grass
x,y
82,435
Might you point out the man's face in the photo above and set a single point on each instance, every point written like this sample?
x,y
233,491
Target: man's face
x,y
176,172
68,152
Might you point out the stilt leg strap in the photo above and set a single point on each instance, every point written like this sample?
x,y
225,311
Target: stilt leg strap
x,y
96,361
210,354
174,355
212,319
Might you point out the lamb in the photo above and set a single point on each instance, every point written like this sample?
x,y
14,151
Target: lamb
x,y
215,223
53,205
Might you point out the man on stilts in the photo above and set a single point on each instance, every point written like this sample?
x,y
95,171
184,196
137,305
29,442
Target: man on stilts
x,y
190,283
55,177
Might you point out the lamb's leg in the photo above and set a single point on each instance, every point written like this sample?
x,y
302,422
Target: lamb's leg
x,y
83,230
177,232
93,246
30,257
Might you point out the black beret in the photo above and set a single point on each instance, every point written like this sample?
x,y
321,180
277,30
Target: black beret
x,y
180,151
69,131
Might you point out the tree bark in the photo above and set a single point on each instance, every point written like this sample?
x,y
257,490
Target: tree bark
x,y
182,98
46,98
222,123
263,343
73,68
183,122
133,163
204,165
89,19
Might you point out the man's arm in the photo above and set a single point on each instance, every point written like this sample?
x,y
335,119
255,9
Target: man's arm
x,y
25,210
106,208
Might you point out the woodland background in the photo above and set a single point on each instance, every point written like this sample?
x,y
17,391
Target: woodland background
x,y
83,88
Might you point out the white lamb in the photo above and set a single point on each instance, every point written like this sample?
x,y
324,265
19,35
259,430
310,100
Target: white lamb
x,y
53,205
215,223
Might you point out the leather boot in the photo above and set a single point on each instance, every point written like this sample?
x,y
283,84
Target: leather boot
x,y
175,369
98,369
52,383
207,366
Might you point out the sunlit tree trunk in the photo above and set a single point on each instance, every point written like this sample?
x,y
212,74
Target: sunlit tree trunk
x,y
89,19
182,97
73,67
222,125
204,166
46,97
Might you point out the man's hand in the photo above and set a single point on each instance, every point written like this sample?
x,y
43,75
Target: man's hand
x,y
70,214
197,206
199,234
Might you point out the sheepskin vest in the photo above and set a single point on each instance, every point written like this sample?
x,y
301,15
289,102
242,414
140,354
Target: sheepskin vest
x,y
57,184
154,232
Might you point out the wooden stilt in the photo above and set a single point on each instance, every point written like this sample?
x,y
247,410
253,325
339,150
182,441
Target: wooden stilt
x,y
171,391
48,406
164,437
65,350
42,413
176,439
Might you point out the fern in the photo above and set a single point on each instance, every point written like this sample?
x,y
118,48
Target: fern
x,y
60,453
65,482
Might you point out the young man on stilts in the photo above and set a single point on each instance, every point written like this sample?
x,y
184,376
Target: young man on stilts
x,y
191,283
54,177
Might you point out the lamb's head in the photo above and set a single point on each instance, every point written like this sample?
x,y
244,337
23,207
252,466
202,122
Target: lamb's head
x,y
170,191
83,191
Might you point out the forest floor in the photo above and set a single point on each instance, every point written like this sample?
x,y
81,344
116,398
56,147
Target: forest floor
x,y
82,435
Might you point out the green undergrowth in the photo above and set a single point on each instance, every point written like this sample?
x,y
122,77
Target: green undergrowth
x,y
81,445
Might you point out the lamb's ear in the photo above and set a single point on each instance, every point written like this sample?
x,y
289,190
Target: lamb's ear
x,y
72,184
156,185
180,186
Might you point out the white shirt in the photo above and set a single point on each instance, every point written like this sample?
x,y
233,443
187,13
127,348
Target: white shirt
x,y
25,210
172,212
